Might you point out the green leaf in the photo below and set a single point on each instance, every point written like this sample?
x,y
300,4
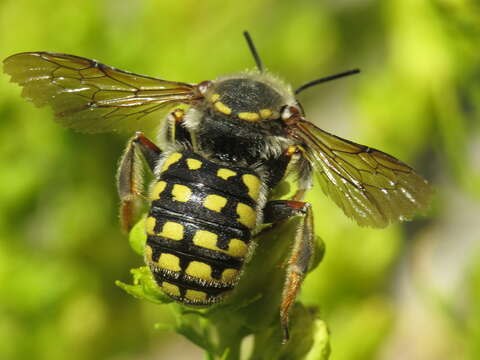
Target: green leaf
x,y
321,344
137,237
144,287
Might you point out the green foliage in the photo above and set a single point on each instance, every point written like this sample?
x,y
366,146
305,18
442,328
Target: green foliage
x,y
418,98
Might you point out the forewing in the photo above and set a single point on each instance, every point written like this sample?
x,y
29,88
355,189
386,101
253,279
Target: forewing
x,y
92,97
370,186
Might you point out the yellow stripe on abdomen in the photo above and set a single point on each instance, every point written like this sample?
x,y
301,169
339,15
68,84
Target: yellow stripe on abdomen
x,y
208,240
246,215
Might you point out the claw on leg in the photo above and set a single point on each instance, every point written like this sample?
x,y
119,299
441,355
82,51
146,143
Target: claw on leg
x,y
290,292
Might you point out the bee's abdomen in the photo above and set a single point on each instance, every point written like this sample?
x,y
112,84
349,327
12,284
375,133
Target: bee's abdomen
x,y
199,227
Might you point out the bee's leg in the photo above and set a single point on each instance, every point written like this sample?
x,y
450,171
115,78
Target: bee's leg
x,y
130,177
301,254
176,131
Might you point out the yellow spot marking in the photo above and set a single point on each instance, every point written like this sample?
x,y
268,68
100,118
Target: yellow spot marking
x,y
253,184
196,296
246,215
194,164
157,190
170,289
214,97
222,108
215,202
237,248
148,254
179,113
150,225
172,159
206,239
199,270
248,116
229,275
292,149
265,113
172,230
225,173
169,262
181,193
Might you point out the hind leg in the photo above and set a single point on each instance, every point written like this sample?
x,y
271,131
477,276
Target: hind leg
x,y
301,254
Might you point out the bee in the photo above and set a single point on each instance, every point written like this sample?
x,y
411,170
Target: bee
x,y
226,144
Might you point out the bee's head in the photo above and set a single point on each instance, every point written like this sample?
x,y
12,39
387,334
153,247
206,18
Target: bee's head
x,y
240,116
244,99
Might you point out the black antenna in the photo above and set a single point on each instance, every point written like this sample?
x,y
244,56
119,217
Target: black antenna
x,y
253,51
325,79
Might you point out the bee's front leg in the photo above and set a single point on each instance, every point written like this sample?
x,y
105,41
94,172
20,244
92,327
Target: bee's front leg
x,y
130,177
301,254
176,132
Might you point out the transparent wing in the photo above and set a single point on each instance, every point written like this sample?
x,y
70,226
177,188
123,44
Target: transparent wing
x,y
370,186
92,97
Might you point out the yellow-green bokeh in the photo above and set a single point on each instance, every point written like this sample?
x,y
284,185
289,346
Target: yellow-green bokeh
x,y
417,98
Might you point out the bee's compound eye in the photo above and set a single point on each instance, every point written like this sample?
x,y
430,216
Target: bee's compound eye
x,y
203,86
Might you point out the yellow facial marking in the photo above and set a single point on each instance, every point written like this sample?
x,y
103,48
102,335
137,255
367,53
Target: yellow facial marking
x,y
181,193
246,215
172,159
169,262
194,164
170,289
225,173
265,113
253,185
172,230
148,252
214,97
229,275
237,248
206,239
214,202
248,116
199,270
196,296
157,190
222,108
150,225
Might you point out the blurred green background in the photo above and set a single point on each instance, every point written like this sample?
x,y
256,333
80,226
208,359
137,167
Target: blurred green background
x,y
411,291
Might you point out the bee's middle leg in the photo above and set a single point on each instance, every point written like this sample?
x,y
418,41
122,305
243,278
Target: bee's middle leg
x,y
130,177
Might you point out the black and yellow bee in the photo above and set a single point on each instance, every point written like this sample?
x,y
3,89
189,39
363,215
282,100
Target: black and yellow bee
x,y
233,140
